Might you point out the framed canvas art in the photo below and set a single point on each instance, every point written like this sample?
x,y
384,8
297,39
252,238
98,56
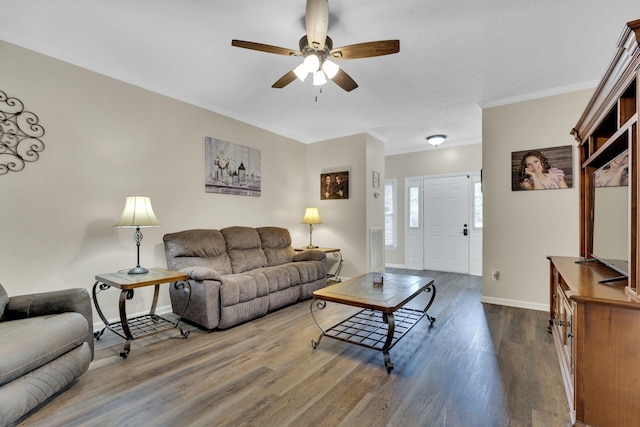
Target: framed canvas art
x,y
376,179
542,168
231,168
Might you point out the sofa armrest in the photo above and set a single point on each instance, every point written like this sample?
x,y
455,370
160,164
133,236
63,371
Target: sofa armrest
x,y
202,273
54,302
310,255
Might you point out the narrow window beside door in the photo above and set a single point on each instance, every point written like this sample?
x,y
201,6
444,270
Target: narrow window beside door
x,y
414,207
390,213
477,205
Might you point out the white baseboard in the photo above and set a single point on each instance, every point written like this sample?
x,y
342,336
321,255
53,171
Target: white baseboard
x,y
498,301
515,303
97,326
395,265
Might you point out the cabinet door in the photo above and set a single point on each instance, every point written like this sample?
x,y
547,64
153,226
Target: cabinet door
x,y
554,308
562,327
567,333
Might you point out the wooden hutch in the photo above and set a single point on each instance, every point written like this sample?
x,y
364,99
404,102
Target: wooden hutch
x,y
595,316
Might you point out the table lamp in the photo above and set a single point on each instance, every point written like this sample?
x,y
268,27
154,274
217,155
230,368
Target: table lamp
x,y
311,216
138,213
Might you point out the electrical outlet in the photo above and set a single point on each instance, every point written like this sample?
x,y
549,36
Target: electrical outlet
x,y
495,275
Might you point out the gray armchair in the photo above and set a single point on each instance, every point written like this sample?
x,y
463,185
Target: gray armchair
x,y
46,342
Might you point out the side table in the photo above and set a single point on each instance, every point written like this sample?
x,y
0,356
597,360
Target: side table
x,y
147,324
335,276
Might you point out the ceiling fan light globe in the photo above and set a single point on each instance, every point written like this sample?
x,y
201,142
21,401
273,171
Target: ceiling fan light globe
x,y
330,68
312,62
319,78
301,72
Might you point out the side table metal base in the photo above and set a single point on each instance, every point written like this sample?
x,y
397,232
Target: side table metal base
x,y
136,327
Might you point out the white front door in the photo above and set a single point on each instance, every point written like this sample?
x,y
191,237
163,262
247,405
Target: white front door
x,y
446,228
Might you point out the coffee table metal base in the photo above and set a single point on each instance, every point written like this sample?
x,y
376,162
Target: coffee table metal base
x,y
374,329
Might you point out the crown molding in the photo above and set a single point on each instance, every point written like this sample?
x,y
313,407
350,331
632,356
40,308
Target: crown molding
x,y
542,94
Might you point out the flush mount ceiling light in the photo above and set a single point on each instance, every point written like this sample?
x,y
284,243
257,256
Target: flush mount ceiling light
x,y
436,140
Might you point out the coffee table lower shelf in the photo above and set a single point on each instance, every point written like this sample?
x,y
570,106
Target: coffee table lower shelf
x,y
373,329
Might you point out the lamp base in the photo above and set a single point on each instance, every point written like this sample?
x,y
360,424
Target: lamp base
x,y
311,247
138,270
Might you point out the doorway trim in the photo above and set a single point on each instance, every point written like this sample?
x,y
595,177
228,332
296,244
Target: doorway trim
x,y
414,237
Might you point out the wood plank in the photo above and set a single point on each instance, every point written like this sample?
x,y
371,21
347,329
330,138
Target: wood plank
x,y
475,366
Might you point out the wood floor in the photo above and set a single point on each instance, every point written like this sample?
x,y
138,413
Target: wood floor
x,y
479,365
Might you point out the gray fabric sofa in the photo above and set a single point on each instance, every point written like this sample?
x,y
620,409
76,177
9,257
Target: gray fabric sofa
x,y
240,273
46,342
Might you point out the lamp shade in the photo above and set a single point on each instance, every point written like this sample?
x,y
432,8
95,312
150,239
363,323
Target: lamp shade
x,y
138,213
330,68
319,78
301,71
311,216
312,62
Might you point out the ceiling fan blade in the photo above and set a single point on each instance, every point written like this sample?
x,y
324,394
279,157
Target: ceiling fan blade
x,y
366,50
317,23
265,48
285,80
345,81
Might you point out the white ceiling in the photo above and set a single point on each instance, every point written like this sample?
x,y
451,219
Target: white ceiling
x,y
454,56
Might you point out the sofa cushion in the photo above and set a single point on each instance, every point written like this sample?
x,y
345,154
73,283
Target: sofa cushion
x,y
36,341
244,248
199,248
202,273
243,287
276,244
32,389
4,299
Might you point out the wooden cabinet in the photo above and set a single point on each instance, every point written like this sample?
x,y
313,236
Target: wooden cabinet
x,y
607,128
594,303
596,331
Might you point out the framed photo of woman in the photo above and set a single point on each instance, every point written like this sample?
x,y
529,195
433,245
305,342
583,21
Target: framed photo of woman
x,y
542,168
615,173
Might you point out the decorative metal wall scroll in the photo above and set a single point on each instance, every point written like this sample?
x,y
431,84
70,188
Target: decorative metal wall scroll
x,y
20,135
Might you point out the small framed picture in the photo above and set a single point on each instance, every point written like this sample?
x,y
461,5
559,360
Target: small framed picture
x,y
334,185
376,179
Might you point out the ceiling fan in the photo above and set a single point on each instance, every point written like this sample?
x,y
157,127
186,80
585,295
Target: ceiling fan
x,y
317,50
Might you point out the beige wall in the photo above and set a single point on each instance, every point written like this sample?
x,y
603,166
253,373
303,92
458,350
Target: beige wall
x,y
345,222
375,204
522,227
440,161
105,140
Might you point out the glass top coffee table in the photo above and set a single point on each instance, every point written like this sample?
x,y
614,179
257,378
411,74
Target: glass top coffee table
x,y
384,319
